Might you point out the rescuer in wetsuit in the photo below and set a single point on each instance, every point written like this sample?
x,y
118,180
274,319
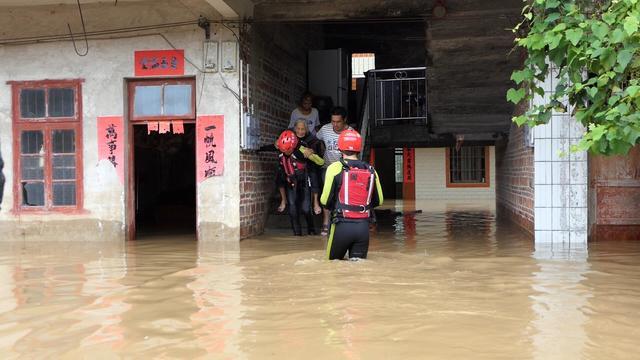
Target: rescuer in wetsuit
x,y
351,190
293,180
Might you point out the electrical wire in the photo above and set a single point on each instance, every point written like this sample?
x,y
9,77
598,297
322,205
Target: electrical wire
x,y
63,37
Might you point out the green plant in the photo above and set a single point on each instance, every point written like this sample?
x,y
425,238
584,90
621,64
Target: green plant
x,y
594,46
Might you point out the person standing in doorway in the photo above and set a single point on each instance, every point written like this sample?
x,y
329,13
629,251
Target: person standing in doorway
x,y
329,134
351,190
311,146
305,111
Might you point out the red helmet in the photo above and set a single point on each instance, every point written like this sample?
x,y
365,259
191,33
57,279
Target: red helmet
x,y
287,142
350,140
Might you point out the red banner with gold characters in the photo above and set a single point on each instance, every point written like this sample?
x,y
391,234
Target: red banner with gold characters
x,y
409,155
111,142
209,146
159,62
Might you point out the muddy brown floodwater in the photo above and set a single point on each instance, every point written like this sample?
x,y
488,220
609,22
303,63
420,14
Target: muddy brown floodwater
x,y
450,282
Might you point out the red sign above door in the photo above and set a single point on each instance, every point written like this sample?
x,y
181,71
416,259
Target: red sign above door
x,y
159,62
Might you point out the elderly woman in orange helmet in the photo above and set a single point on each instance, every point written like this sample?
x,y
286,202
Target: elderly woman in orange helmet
x,y
294,179
351,190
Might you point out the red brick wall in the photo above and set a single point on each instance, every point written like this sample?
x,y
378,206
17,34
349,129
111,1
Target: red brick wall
x,y
278,57
515,179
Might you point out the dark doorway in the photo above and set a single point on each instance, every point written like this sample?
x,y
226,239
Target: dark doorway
x,y
386,169
165,181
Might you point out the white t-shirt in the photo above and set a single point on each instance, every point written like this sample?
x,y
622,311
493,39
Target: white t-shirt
x,y
312,119
330,138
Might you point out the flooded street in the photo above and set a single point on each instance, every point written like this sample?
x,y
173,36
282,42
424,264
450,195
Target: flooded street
x,y
449,282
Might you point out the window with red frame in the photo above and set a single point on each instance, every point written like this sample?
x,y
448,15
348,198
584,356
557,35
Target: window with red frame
x,y
47,128
468,166
162,99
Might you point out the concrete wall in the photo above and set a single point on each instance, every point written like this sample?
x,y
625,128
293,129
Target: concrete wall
x,y
515,178
431,181
103,70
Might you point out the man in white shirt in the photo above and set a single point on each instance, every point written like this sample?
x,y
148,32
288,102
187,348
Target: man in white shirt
x,y
305,112
329,134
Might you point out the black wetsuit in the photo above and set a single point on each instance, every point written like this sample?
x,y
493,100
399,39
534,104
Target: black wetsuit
x,y
347,235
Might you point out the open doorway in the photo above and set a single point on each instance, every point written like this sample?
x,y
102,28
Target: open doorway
x,y
165,181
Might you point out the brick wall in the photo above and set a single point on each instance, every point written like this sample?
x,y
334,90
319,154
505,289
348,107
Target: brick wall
x,y
515,179
278,57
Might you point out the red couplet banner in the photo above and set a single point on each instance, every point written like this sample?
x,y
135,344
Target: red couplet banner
x,y
159,62
111,142
409,165
209,146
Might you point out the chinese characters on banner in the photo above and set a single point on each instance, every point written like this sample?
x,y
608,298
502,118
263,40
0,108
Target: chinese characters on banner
x,y
409,165
159,62
111,142
209,146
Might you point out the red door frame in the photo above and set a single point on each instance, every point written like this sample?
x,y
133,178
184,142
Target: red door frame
x,y
46,125
130,194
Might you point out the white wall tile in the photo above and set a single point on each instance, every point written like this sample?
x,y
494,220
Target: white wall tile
x,y
579,173
577,156
560,196
542,173
560,126
542,150
578,195
561,171
578,219
543,237
560,237
560,218
542,131
543,195
560,149
577,129
578,238
542,220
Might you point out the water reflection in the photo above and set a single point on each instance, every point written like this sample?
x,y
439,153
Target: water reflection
x,y
451,281
560,301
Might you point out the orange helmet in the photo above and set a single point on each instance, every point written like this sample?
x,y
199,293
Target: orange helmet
x,y
350,140
287,142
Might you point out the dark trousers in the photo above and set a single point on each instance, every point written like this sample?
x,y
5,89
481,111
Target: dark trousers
x,y
299,201
351,236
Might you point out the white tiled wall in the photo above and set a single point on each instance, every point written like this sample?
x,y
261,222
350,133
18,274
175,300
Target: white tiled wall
x,y
560,180
431,181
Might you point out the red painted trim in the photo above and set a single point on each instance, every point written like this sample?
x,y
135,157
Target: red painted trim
x,y
43,82
46,125
129,123
131,88
487,168
409,187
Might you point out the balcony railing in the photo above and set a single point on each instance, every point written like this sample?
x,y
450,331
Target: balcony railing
x,y
398,96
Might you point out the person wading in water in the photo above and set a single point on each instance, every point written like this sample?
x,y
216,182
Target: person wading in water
x,y
351,190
